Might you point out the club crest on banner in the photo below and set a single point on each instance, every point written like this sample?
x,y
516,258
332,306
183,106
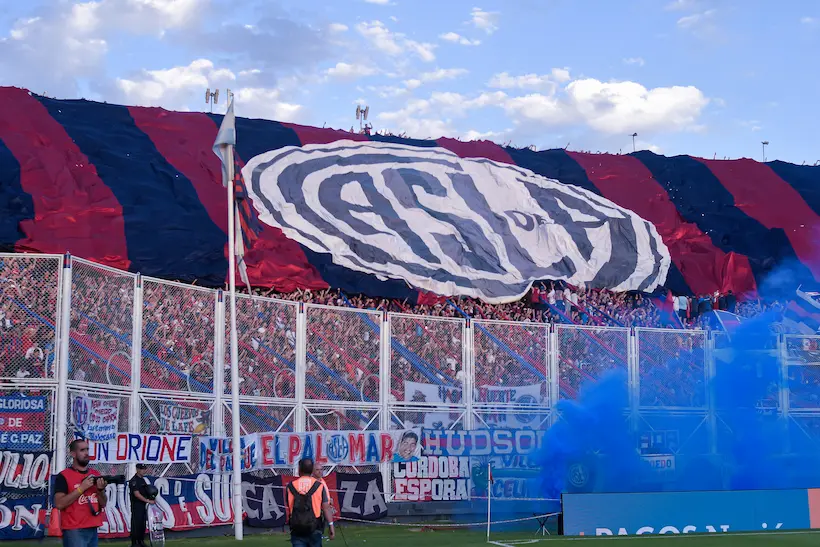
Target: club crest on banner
x,y
451,225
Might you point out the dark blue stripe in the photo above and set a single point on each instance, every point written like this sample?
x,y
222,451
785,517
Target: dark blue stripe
x,y
256,137
700,198
558,165
167,229
15,204
805,179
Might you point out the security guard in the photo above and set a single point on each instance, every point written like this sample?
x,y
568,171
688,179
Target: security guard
x,y
139,503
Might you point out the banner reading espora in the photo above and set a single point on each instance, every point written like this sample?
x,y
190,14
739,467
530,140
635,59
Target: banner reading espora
x,y
481,442
339,447
141,448
442,478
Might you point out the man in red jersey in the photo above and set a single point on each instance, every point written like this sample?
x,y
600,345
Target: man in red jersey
x,y
79,495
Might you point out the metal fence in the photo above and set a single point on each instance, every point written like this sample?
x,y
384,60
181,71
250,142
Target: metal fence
x,y
70,327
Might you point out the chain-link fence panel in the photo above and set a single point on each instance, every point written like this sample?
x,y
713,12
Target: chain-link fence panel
x,y
427,418
170,415
102,320
342,419
587,354
260,418
803,361
78,419
266,333
760,367
427,359
511,364
343,351
29,311
672,368
178,335
33,407
536,418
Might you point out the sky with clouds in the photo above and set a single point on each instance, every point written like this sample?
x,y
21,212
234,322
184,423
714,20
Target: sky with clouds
x,y
702,77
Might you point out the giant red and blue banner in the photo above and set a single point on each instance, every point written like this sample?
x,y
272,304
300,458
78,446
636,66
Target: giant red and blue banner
x,y
389,216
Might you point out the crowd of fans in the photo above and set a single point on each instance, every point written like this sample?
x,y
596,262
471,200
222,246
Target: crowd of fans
x,y
344,339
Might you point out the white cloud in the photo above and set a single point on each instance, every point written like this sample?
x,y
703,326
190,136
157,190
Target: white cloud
x,y
696,19
350,71
173,88
613,107
338,27
634,61
459,39
542,82
395,44
378,2
809,21
435,76
484,20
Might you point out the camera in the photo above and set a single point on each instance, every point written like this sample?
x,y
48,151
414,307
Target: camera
x,y
114,479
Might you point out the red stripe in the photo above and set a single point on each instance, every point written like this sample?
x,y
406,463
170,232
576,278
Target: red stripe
x,y
319,135
186,141
73,208
626,181
476,149
767,198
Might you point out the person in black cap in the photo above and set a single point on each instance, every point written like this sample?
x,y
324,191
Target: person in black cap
x,y
139,505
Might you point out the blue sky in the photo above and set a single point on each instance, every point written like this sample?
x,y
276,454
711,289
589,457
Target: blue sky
x,y
700,77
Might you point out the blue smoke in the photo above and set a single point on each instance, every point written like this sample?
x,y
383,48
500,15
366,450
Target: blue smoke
x,y
745,443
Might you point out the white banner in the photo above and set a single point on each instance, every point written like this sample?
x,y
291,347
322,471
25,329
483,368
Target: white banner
x,y
95,419
432,479
177,419
500,416
142,448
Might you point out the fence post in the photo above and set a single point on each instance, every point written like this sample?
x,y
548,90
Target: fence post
x,y
385,386
135,411
218,413
468,363
784,394
710,391
60,448
554,370
634,376
301,368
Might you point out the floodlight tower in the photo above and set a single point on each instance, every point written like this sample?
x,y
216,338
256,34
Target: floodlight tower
x,y
361,115
212,98
764,143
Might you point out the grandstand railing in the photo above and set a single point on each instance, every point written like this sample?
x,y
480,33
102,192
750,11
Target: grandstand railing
x,y
69,326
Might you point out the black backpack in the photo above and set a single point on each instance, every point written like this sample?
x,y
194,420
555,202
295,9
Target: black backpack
x,y
303,523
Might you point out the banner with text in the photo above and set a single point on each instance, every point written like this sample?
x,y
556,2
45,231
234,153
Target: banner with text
x,y
22,422
481,442
361,495
95,419
176,419
216,453
348,448
24,482
432,478
142,448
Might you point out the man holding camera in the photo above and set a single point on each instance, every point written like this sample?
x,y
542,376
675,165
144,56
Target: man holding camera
x,y
79,495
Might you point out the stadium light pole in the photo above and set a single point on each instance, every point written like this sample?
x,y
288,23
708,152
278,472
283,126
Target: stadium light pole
x,y
764,143
633,140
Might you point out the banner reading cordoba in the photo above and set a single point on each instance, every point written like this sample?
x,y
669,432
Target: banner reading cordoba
x,y
432,478
142,448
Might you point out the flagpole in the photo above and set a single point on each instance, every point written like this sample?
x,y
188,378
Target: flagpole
x,y
237,434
